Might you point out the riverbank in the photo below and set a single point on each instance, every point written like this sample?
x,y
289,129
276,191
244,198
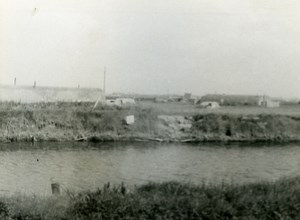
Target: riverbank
x,y
170,200
78,122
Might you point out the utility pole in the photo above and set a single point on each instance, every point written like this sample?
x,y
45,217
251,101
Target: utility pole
x,y
104,84
104,81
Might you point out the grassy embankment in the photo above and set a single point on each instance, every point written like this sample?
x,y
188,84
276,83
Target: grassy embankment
x,y
275,128
71,121
171,200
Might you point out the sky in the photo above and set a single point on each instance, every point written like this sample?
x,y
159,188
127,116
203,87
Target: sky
x,y
153,46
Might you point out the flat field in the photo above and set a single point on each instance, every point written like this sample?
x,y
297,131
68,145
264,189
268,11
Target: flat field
x,y
176,108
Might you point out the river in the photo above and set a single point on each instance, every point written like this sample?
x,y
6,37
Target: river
x,y
30,169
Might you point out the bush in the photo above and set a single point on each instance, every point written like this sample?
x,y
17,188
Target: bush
x,y
172,200
3,210
169,200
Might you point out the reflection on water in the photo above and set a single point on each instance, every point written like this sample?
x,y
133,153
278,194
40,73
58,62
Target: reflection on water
x,y
30,169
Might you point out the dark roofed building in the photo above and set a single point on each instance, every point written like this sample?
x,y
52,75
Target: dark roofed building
x,y
232,100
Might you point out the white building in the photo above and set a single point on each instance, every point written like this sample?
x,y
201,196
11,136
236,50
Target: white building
x,y
211,105
120,101
265,101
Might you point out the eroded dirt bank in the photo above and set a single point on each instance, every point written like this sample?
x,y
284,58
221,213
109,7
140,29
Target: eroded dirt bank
x,y
70,122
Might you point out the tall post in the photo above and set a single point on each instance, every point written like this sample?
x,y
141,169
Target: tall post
x,y
104,79
55,187
15,81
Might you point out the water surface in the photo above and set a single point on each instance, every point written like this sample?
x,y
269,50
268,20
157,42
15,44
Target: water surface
x,y
27,168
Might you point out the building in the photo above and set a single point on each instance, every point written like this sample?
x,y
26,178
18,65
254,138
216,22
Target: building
x,y
161,100
266,101
187,96
231,100
209,105
120,101
125,101
29,94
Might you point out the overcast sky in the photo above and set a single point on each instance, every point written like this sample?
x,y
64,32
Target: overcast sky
x,y
154,46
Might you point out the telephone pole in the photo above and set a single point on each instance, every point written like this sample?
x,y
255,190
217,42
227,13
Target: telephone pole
x,y
104,78
104,81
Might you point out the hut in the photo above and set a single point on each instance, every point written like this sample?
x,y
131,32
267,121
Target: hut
x,y
267,102
210,105
120,101
231,100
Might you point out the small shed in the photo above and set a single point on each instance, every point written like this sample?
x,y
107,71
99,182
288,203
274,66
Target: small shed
x,y
231,100
110,102
120,101
187,96
210,105
265,101
125,101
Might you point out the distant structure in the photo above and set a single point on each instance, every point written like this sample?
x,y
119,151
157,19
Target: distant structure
x,y
231,100
161,99
209,105
187,96
267,102
120,101
240,100
29,94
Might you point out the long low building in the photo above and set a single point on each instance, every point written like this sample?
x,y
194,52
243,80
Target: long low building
x,y
29,94
232,100
240,100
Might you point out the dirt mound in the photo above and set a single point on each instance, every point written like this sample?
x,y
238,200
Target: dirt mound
x,y
174,126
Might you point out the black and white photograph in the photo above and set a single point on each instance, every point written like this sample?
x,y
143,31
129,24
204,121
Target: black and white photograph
x,y
149,109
